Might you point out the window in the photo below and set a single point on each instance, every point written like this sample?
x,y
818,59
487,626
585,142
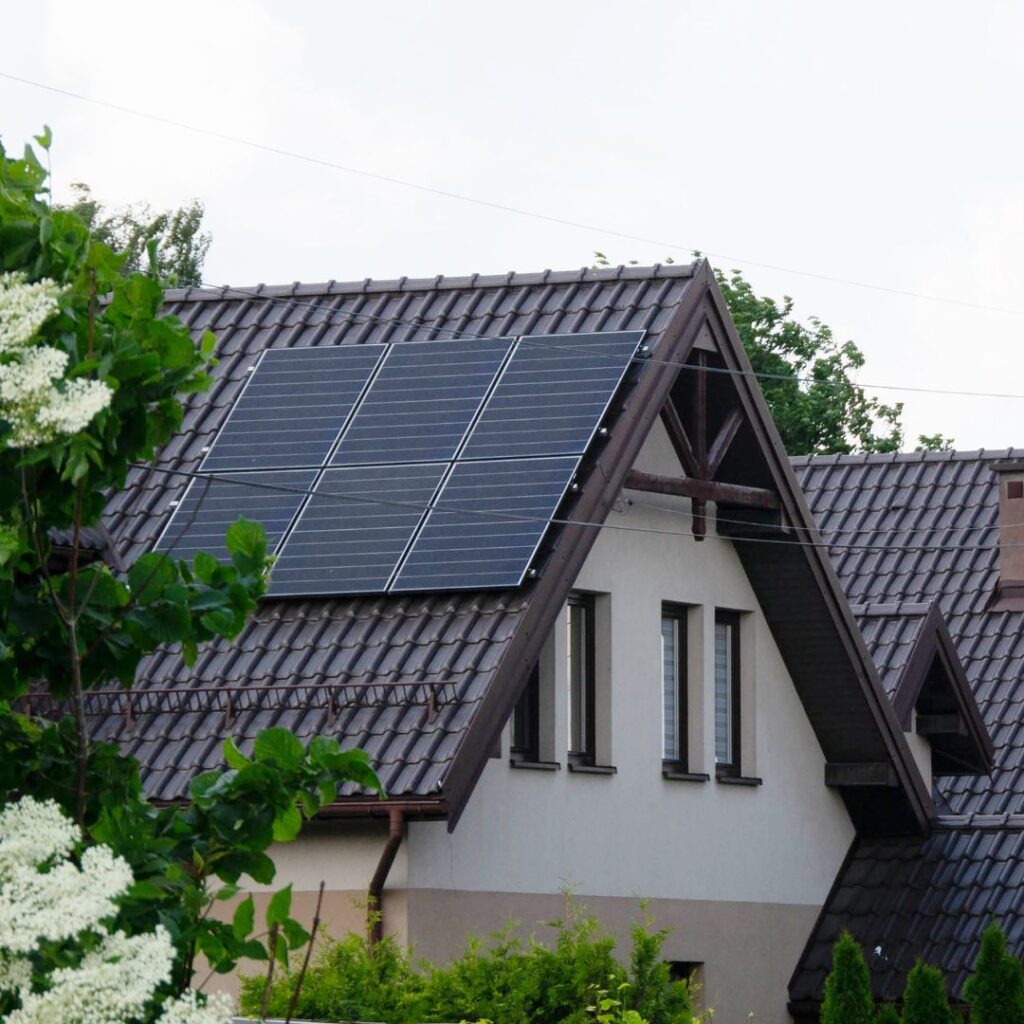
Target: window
x,y
727,693
673,685
580,625
526,721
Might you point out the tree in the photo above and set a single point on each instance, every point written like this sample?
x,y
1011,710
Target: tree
x,y
924,999
848,986
128,230
91,378
807,378
995,991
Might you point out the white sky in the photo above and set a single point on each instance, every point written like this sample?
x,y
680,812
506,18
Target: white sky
x,y
875,141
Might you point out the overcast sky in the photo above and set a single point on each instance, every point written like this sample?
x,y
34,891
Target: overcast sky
x,y
878,142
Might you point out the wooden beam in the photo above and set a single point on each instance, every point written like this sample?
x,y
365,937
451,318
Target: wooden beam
x,y
680,441
879,773
941,725
702,490
723,439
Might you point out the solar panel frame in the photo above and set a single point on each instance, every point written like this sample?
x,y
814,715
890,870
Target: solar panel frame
x,y
234,493
230,452
392,521
459,396
454,518
493,419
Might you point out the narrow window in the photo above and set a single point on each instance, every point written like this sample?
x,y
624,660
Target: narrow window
x,y
673,685
526,721
727,693
580,647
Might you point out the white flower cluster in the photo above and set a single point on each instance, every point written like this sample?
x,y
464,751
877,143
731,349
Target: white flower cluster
x,y
44,896
24,308
35,399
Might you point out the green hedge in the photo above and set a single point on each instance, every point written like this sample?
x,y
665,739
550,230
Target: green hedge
x,y
501,979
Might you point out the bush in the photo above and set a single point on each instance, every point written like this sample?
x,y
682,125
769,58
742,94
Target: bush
x,y
995,991
887,1014
924,999
503,979
848,986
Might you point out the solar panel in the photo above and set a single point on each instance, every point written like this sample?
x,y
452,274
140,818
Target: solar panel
x,y
489,520
293,407
210,506
552,395
354,530
421,402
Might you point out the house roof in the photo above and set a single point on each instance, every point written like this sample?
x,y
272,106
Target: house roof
x,y
366,657
426,682
912,531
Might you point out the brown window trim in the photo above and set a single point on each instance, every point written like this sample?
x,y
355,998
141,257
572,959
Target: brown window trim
x,y
678,775
540,766
739,780
732,770
680,764
582,758
589,768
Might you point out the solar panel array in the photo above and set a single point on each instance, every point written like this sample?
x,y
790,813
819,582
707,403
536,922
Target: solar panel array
x,y
419,466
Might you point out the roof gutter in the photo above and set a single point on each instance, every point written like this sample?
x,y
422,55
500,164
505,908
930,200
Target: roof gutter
x,y
375,894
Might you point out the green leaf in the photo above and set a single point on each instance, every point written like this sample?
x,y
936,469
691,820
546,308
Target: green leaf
x,y
45,138
150,575
234,757
277,744
295,935
244,919
279,908
287,825
247,543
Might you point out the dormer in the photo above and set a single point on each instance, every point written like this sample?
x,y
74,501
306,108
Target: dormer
x,y
924,678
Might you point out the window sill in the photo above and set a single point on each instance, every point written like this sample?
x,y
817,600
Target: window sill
x,y
739,780
678,774
539,766
592,769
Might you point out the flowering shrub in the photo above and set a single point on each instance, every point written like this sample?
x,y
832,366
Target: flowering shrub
x,y
60,961
35,399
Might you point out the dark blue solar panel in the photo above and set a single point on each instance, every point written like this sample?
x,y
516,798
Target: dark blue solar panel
x,y
354,530
210,506
552,395
293,408
421,402
489,520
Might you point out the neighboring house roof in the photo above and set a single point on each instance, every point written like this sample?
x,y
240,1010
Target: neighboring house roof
x,y
933,897
425,683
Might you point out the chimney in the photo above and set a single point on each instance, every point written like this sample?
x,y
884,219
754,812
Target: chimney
x,y
1010,589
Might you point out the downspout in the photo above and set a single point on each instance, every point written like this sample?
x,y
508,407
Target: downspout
x,y
375,896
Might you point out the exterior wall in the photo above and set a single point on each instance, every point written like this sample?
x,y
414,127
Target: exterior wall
x,y
739,872
921,748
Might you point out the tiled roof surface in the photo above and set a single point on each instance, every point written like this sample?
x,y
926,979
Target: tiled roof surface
x,y
929,898
903,899
444,638
891,636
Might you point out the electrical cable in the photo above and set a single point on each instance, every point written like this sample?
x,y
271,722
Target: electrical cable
x,y
504,207
330,320
511,516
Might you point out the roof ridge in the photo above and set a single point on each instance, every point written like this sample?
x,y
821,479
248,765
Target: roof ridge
x,y
883,458
439,282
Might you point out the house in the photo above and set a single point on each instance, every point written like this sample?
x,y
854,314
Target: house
x,y
933,538
664,693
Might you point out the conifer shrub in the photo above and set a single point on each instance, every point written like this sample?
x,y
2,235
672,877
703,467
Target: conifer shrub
x,y
501,979
995,991
848,986
887,1014
924,999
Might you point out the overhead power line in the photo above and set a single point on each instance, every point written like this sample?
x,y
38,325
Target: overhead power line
x,y
498,514
504,207
331,317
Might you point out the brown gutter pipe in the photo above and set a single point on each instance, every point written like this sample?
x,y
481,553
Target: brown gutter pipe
x,y
375,896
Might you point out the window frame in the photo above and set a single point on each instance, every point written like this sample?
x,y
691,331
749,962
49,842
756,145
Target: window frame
x,y
526,717
588,754
732,768
679,616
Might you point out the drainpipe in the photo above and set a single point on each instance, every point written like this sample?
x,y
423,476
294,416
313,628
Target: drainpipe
x,y
375,896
